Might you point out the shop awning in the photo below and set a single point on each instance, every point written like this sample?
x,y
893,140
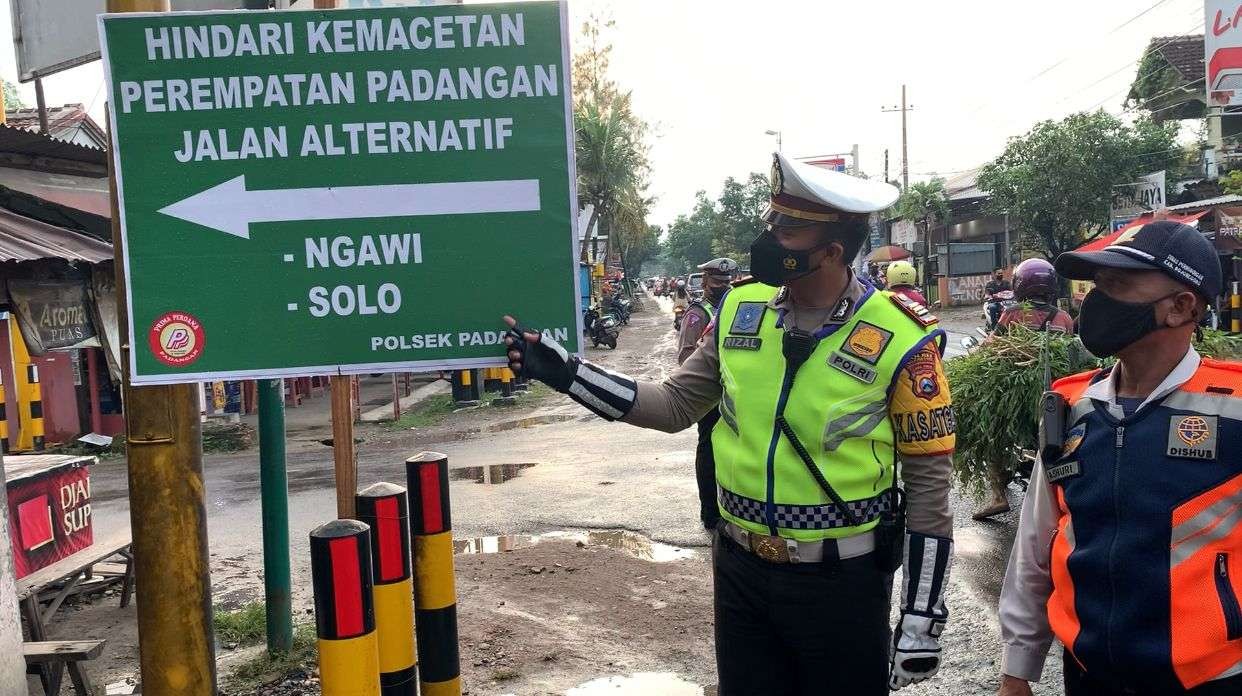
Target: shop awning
x,y
1108,240
24,239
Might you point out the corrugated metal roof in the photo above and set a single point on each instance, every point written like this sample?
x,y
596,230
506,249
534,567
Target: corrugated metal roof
x,y
23,142
24,239
63,122
1220,200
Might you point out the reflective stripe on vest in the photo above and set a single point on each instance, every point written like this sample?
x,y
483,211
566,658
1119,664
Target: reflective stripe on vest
x,y
1146,564
838,407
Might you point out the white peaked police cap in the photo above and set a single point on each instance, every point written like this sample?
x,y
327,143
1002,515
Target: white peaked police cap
x,y
804,194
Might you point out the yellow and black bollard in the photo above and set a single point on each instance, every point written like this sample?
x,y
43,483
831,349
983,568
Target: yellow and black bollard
x,y
36,406
1235,309
4,419
435,599
344,609
466,388
384,508
506,387
491,379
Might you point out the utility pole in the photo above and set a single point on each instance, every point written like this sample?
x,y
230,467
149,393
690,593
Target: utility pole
x,y
886,165
905,152
12,666
344,456
854,154
167,506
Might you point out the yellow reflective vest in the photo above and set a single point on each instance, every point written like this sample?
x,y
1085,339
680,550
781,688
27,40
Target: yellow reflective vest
x,y
838,407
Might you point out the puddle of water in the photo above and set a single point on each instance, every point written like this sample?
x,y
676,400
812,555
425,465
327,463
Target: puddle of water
x,y
634,544
642,683
493,473
329,442
529,422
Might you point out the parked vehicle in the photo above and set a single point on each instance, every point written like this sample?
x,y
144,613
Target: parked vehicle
x,y
601,328
620,307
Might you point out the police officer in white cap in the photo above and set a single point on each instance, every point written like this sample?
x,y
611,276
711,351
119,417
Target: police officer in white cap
x,y
822,383
718,274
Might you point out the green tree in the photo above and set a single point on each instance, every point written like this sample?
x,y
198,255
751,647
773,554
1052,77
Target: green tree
x,y
739,208
612,152
12,98
925,203
690,237
1056,181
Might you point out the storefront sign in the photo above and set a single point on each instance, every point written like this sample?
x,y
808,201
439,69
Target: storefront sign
x,y
53,314
49,509
1222,46
360,187
968,289
1229,229
1134,199
905,233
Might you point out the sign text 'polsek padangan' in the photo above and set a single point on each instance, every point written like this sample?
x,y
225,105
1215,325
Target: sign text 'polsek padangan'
x,y
344,190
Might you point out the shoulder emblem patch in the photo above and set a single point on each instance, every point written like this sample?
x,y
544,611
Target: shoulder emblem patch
x,y
748,318
1073,439
914,310
921,367
867,342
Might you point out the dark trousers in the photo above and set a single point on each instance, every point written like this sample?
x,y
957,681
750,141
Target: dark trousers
x,y
705,471
1079,683
799,629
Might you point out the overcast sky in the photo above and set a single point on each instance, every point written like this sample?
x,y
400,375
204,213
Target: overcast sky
x,y
713,76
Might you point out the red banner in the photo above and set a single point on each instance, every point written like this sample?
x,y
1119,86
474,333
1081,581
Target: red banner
x,y
49,515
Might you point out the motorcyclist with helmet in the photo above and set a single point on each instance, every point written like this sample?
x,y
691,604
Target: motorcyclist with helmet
x,y
902,279
1036,287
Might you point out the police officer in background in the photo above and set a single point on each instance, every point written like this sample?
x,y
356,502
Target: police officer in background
x,y
822,383
1130,545
717,275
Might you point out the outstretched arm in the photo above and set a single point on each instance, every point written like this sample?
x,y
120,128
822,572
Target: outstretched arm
x,y
673,405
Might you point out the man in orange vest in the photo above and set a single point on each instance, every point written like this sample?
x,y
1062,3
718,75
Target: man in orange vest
x,y
1130,545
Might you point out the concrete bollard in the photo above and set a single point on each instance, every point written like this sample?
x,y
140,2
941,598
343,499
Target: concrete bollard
x,y
435,598
344,609
383,507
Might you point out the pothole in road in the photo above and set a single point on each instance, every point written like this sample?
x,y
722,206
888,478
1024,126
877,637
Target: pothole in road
x,y
664,683
632,543
490,474
530,422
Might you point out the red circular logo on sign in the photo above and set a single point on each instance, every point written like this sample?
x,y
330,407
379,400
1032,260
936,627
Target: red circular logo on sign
x,y
177,339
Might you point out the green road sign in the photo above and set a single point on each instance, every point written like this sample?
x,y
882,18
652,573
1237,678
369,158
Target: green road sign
x,y
308,192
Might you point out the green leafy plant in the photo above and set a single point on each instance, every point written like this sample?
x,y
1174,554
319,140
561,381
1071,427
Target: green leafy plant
x,y
996,391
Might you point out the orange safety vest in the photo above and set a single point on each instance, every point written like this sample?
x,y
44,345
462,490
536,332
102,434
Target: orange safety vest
x,y
1146,561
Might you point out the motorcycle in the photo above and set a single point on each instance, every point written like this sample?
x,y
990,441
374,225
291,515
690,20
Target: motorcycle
x,y
620,307
995,306
601,328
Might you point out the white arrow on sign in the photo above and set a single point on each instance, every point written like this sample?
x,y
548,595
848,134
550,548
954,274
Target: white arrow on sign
x,y
230,208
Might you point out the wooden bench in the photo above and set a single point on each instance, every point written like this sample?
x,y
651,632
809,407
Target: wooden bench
x,y
106,562
50,659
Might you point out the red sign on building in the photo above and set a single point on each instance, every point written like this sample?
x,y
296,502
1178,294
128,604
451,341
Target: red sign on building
x,y
49,508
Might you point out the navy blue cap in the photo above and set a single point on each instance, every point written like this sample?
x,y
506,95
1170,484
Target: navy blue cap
x,y
1180,251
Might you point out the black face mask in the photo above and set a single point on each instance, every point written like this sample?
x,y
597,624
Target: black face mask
x,y
773,264
715,295
1107,325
